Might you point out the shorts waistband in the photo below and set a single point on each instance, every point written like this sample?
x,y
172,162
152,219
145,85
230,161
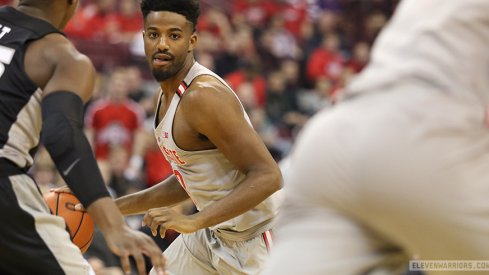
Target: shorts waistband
x,y
8,168
248,234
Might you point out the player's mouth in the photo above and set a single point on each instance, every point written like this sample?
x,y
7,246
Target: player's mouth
x,y
161,59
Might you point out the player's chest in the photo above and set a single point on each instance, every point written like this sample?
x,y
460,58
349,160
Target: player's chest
x,y
174,129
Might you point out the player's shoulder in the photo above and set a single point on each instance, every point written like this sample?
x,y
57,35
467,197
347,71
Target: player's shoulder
x,y
206,94
55,48
207,86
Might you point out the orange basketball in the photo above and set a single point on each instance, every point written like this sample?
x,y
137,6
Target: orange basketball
x,y
79,223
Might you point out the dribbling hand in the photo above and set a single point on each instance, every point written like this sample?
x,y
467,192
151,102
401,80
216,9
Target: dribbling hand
x,y
167,218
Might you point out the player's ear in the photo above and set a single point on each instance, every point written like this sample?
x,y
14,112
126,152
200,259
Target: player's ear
x,y
193,42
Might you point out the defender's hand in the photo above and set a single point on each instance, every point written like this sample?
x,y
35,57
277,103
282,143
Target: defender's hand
x,y
62,189
66,189
126,242
168,218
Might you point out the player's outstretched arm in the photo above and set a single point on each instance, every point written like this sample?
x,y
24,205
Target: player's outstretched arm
x,y
166,193
70,81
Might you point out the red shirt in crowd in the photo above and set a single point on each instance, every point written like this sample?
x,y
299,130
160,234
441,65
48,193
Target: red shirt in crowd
x,y
235,79
323,63
113,124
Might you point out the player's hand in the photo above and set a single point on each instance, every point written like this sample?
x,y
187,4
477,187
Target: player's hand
x,y
66,189
167,218
62,189
126,242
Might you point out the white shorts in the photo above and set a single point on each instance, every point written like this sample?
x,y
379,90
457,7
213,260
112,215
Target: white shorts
x,y
203,253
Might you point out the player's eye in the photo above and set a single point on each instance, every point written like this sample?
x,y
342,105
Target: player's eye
x,y
152,35
175,36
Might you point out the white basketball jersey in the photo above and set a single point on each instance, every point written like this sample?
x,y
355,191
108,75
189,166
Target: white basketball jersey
x,y
207,175
442,42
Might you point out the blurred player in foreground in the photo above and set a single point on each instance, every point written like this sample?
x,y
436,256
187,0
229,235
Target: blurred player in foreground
x,y
43,83
400,167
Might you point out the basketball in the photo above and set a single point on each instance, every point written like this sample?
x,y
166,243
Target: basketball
x,y
79,223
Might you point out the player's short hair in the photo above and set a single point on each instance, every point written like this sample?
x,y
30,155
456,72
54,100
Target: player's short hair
x,y
188,8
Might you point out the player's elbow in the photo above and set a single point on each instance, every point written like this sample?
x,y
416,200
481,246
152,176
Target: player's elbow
x,y
275,180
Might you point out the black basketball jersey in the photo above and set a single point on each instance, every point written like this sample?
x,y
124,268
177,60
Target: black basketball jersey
x,y
20,98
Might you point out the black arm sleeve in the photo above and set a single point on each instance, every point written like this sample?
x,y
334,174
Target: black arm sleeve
x,y
62,135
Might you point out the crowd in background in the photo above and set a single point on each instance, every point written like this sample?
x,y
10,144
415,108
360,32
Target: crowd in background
x,y
285,59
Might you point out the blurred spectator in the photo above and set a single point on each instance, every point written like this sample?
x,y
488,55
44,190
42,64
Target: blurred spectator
x,y
135,83
308,39
278,42
206,59
255,13
327,22
118,163
277,144
327,60
128,22
116,120
93,21
294,13
374,23
359,58
247,95
238,47
321,96
291,70
282,106
250,73
216,25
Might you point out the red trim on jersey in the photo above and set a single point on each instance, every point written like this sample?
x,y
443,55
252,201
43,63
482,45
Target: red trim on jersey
x,y
181,88
267,237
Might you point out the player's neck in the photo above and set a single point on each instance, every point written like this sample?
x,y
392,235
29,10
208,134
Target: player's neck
x,y
170,85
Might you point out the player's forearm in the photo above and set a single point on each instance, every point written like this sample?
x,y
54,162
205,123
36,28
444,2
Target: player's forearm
x,y
252,191
106,214
165,193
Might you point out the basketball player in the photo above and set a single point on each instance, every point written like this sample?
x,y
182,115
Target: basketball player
x,y
43,83
218,160
399,168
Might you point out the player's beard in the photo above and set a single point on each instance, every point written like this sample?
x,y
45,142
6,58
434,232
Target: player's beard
x,y
161,74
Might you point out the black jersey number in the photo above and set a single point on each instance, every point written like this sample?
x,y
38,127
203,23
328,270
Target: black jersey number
x,y
6,55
